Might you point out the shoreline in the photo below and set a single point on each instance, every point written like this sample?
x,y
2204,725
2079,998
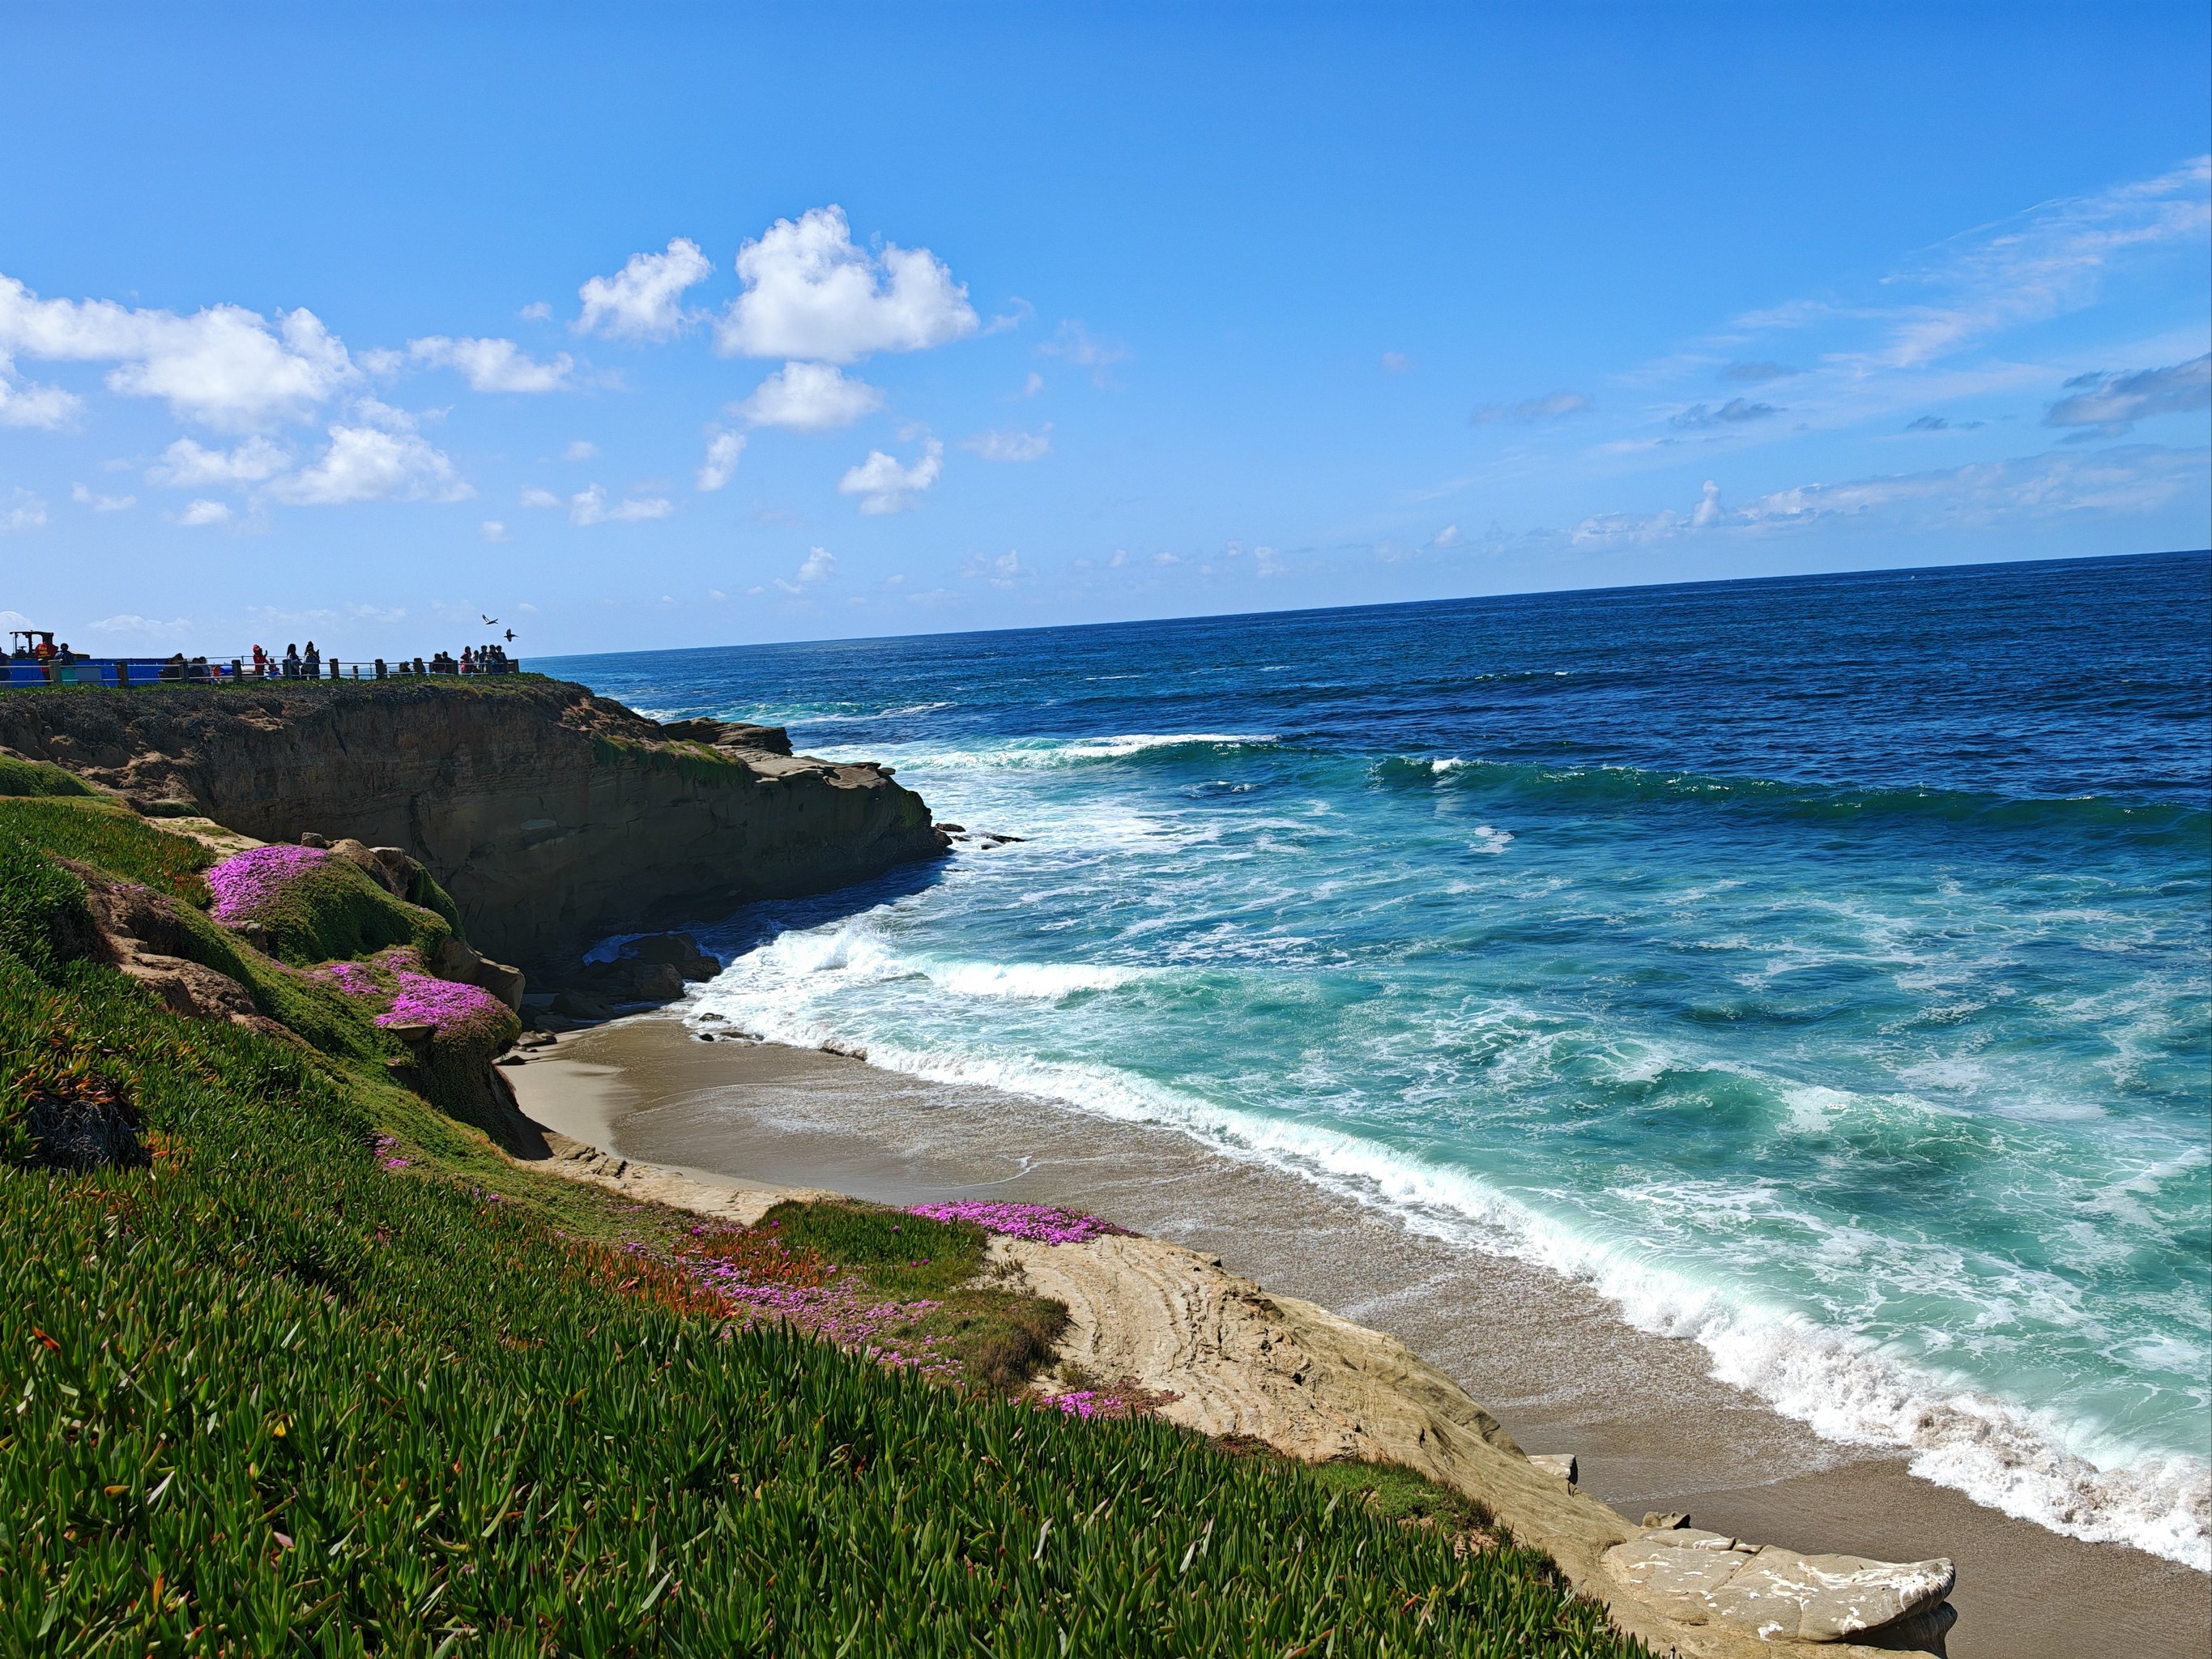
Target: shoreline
x,y
1547,1356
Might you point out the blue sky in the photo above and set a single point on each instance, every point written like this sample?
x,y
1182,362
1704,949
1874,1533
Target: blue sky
x,y
673,326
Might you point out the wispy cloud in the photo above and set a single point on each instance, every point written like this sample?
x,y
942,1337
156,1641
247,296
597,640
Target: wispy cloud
x,y
23,510
2113,404
1757,373
1012,445
1076,345
2043,262
1551,406
1698,418
2138,478
592,506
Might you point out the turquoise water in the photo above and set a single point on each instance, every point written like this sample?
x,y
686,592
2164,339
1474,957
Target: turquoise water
x,y
1818,967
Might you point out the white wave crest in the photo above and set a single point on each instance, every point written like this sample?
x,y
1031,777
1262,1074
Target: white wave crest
x,y
1050,980
856,951
1135,743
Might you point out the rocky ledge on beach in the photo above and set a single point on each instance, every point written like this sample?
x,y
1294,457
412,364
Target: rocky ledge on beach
x,y
554,818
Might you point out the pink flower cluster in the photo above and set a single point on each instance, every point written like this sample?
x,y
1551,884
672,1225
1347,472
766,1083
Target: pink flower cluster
x,y
838,1313
387,1151
1115,1400
350,977
1040,1222
244,880
1085,1403
442,1003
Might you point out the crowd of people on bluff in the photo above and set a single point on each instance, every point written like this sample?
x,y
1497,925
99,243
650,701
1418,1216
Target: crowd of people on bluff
x,y
298,665
35,654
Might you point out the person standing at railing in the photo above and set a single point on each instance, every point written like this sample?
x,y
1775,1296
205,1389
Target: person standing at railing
x,y
311,662
291,662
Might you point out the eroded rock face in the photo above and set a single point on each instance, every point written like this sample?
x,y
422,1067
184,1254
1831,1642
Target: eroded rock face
x,y
1226,1357
553,816
1704,1577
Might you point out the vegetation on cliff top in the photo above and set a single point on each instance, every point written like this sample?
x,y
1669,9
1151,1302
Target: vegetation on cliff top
x,y
327,1374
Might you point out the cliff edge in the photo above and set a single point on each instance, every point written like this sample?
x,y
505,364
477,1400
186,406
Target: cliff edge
x,y
553,816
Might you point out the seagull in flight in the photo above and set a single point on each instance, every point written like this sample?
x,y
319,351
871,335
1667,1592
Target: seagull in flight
x,y
510,633
489,621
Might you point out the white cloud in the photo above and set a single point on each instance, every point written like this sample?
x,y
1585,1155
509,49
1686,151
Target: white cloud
x,y
494,365
1736,412
1012,446
810,397
24,511
884,486
1080,347
32,405
202,514
1267,561
492,530
364,464
538,311
591,507
583,449
373,411
2046,261
1551,406
1396,362
1121,557
1032,386
99,503
809,293
2137,479
1166,559
131,622
818,566
723,449
1447,537
534,497
2114,403
643,300
225,366
1001,572
186,465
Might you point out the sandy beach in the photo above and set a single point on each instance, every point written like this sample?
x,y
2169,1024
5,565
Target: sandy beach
x,y
1651,1430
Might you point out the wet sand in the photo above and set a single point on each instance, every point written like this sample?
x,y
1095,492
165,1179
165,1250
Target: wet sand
x,y
1547,1356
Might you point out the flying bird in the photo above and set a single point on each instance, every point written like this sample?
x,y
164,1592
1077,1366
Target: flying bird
x,y
510,636
489,621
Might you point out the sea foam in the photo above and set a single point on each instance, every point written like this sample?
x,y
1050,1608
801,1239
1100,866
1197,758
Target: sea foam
x,y
2023,1462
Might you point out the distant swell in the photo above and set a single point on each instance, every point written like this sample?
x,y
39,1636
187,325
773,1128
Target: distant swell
x,y
1605,787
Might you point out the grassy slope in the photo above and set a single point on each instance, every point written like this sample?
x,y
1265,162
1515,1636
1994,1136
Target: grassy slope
x,y
272,1393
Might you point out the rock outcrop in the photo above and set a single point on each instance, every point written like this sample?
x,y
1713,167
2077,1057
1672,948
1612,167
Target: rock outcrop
x,y
1225,1357
553,816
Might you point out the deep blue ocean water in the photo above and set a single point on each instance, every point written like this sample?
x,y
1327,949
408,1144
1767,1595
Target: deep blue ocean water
x,y
1820,966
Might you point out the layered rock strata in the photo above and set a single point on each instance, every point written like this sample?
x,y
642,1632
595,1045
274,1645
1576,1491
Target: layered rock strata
x,y
553,816
1225,1357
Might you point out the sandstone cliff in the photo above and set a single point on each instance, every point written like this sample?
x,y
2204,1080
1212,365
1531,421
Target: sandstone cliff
x,y
553,816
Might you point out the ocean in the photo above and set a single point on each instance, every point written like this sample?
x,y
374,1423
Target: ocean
x,y
1818,967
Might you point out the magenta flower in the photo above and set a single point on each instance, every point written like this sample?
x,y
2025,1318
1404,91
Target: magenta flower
x,y
350,977
1039,1222
442,1004
244,880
